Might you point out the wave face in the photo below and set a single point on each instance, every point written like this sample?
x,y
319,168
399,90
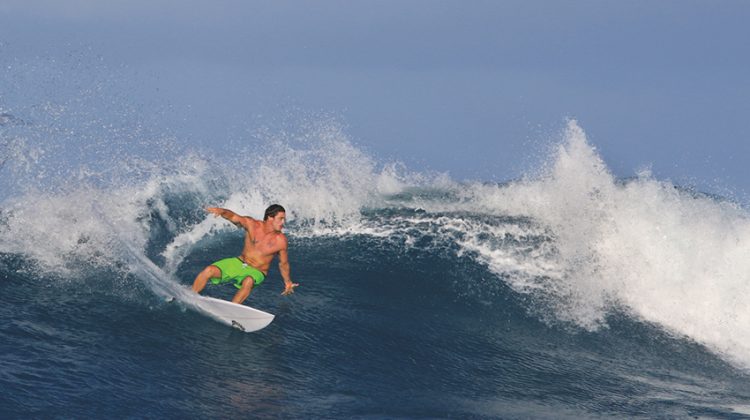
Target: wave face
x,y
566,293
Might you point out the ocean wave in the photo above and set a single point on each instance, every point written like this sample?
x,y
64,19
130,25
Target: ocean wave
x,y
573,239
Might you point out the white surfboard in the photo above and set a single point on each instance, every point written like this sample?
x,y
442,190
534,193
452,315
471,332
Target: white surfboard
x,y
239,316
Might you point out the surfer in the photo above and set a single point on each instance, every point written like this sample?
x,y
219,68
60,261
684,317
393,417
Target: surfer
x,y
263,241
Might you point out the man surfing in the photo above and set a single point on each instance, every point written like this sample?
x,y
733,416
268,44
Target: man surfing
x,y
263,240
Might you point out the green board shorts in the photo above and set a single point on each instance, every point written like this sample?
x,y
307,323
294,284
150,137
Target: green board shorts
x,y
234,269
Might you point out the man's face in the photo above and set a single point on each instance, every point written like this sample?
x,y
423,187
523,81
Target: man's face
x,y
278,221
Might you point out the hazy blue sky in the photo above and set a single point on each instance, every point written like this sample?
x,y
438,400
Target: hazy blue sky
x,y
469,87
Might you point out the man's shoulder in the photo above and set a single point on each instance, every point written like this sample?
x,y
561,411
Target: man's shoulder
x,y
248,222
252,220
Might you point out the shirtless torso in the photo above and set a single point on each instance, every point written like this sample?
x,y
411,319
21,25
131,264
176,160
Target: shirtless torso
x,y
262,243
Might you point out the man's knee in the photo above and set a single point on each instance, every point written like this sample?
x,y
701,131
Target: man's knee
x,y
202,279
248,283
211,272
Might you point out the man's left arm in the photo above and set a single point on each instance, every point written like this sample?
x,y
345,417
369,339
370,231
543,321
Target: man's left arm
x,y
285,271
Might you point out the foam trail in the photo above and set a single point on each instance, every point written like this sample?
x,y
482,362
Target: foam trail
x,y
156,280
164,285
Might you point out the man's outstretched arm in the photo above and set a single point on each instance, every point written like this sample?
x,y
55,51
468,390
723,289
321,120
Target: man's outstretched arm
x,y
228,214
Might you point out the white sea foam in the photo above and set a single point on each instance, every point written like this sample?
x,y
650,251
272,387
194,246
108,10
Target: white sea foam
x,y
666,256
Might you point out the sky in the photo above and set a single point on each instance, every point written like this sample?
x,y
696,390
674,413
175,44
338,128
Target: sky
x,y
476,89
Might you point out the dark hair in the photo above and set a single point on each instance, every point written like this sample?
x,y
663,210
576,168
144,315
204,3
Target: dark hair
x,y
273,210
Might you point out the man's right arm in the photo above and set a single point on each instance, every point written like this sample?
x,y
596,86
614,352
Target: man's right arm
x,y
229,215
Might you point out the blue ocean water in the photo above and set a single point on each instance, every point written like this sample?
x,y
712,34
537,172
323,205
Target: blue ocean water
x,y
565,294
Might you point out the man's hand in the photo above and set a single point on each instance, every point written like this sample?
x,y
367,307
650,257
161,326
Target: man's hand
x,y
289,289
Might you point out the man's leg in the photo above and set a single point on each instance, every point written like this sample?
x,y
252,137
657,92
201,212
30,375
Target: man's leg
x,y
244,292
208,273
